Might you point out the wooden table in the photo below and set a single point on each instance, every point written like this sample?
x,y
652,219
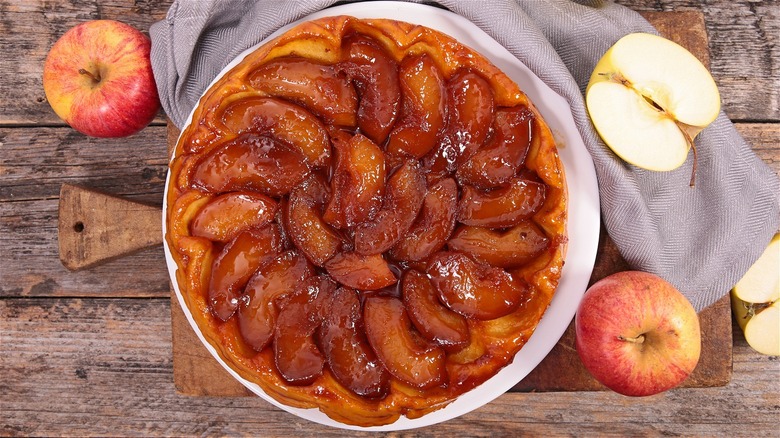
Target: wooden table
x,y
90,352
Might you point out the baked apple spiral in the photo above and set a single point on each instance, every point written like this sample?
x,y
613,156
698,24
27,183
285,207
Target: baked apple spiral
x,y
367,217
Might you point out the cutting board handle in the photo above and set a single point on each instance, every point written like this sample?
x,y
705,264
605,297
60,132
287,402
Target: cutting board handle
x,y
95,227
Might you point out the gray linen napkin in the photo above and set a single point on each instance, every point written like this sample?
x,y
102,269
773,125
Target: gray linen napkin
x,y
700,239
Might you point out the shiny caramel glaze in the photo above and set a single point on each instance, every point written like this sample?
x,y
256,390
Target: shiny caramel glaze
x,y
367,218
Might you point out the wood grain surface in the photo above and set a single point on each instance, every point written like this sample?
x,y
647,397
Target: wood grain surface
x,y
89,353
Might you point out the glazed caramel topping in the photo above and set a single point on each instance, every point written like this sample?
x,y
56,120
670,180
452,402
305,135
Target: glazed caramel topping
x,y
365,224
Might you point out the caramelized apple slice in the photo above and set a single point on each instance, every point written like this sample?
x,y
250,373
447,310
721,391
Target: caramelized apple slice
x,y
317,87
403,352
433,226
468,121
429,316
403,200
423,107
499,160
257,313
503,207
375,75
296,355
364,272
505,249
251,162
303,218
358,181
231,213
343,342
236,263
282,120
473,289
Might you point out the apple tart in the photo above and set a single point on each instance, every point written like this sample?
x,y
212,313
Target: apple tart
x,y
367,217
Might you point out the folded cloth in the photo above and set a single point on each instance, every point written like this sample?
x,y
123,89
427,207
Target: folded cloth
x,y
701,239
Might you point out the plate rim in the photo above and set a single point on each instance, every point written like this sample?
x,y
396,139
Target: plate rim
x,y
575,157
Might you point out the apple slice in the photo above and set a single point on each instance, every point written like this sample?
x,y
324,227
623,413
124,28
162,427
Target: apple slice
x,y
251,162
319,88
468,122
404,353
502,207
303,219
375,75
257,312
500,158
761,283
402,202
755,300
296,354
505,249
347,352
363,272
236,263
423,108
759,324
231,213
434,321
473,288
648,98
285,121
433,226
358,181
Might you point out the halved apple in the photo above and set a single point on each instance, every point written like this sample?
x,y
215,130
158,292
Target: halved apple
x,y
648,97
755,300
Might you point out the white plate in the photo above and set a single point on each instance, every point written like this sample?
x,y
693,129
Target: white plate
x,y
583,223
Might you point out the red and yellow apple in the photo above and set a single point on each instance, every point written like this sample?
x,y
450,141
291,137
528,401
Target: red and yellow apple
x,y
637,334
98,79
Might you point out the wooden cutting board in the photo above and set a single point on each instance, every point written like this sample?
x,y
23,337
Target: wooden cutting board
x,y
86,216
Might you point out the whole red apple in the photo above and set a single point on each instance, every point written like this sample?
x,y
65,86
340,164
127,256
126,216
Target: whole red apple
x,y
637,334
98,79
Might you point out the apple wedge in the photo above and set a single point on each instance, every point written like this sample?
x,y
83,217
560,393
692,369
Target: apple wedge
x,y
755,300
648,98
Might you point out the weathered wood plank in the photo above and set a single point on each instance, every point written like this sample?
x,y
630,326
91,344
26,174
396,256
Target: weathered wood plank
x,y
765,141
744,40
103,367
744,30
35,163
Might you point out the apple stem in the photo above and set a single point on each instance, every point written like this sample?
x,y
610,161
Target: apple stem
x,y
637,340
693,148
619,78
92,76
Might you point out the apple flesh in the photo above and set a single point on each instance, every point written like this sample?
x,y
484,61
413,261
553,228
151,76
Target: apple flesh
x,y
637,334
648,98
755,300
98,79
